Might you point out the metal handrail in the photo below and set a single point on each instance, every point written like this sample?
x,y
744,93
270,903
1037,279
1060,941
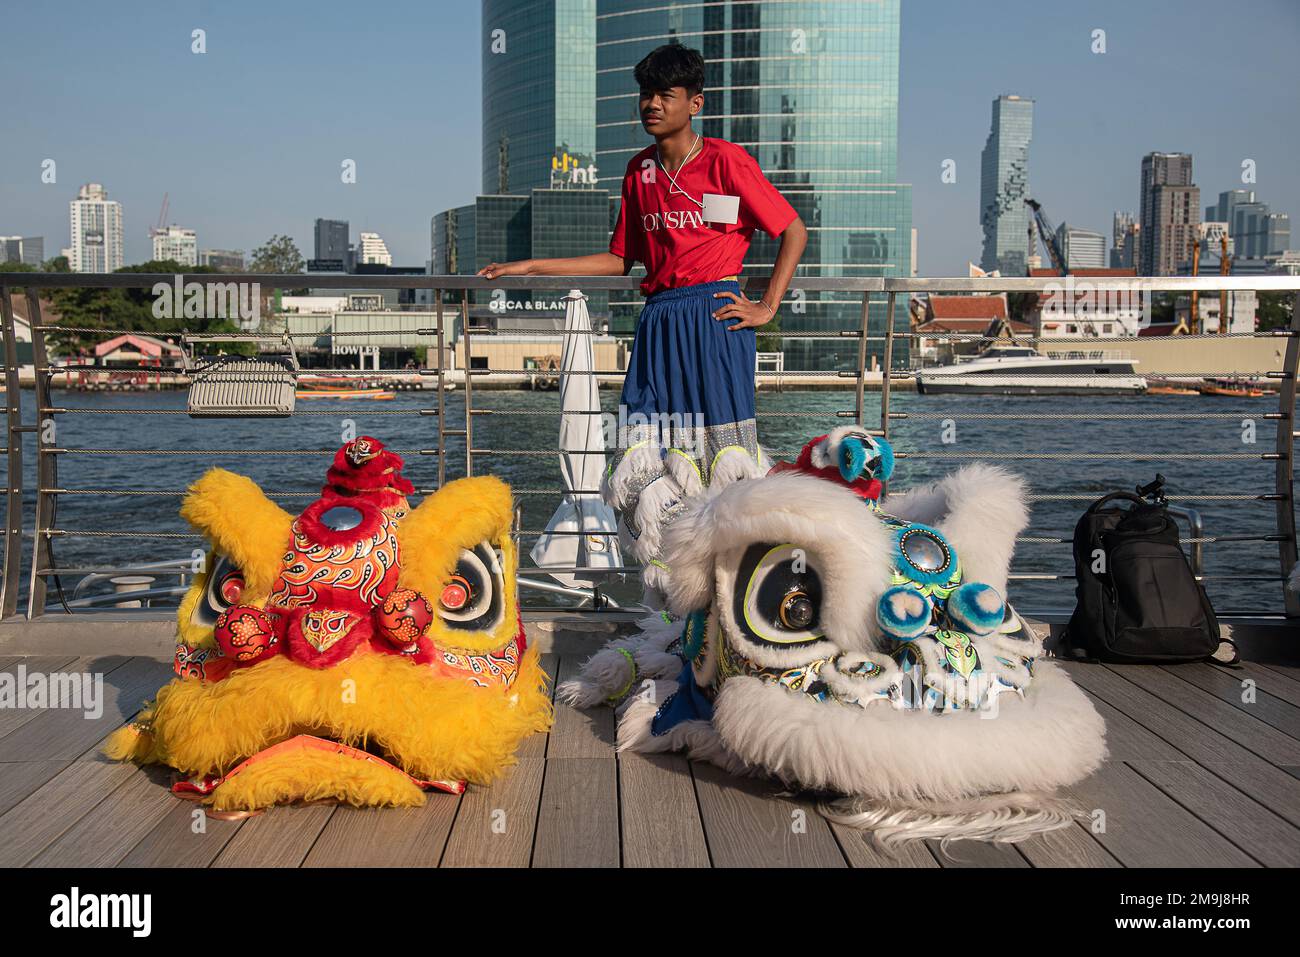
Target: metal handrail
x,y
874,293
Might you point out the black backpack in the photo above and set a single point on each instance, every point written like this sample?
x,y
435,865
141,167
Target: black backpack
x,y
1138,600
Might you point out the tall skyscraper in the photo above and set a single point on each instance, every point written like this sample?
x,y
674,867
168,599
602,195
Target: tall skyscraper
x,y
1256,231
1170,213
1082,248
810,89
332,242
96,224
539,90
176,243
1004,187
371,248
1123,239
29,250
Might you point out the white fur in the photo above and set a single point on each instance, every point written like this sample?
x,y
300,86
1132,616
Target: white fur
x,y
608,671
980,509
698,740
827,452
1051,738
733,464
1002,818
850,548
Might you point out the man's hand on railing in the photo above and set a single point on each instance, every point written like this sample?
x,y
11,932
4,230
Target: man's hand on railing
x,y
496,270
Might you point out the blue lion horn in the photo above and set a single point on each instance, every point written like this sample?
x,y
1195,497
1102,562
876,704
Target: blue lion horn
x,y
866,456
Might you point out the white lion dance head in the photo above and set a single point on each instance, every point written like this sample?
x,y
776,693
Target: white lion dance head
x,y
856,647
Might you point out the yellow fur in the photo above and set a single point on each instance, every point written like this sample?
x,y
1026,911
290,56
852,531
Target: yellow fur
x,y
460,515
316,776
240,521
433,727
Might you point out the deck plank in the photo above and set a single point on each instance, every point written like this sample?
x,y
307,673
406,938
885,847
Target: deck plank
x,y
17,781
1068,847
1279,686
577,821
1144,827
1249,825
748,823
185,837
661,824
135,808
1227,687
67,733
862,851
12,718
1126,740
960,854
281,837
386,837
495,825
1269,785
580,733
45,814
1247,730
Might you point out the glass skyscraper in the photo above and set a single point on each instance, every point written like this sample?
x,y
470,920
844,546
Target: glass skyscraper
x,y
810,89
1004,187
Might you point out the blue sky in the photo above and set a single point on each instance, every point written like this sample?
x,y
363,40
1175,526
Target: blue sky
x,y
248,138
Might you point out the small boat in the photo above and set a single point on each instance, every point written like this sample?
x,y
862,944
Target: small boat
x,y
1022,370
1232,388
1167,387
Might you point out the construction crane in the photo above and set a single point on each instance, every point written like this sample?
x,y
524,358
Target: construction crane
x,y
162,217
1225,269
1048,234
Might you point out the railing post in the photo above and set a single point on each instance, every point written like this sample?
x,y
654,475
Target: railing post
x,y
860,397
13,538
442,403
887,364
45,463
1284,473
469,386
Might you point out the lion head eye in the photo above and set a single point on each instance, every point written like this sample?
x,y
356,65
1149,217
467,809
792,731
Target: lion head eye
x,y
224,587
473,598
778,595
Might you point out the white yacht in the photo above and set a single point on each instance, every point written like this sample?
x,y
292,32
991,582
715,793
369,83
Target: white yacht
x,y
1021,370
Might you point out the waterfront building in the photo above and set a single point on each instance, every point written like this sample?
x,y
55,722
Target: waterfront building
x,y
175,243
939,317
96,228
371,249
1170,211
333,252
227,260
1082,248
1077,309
1004,187
29,250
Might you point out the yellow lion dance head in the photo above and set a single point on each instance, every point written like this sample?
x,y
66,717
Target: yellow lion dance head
x,y
363,651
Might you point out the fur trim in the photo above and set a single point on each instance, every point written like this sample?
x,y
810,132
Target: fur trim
x,y
433,727
1002,818
977,608
1051,738
232,513
315,775
697,739
608,673
848,545
621,484
733,464
980,509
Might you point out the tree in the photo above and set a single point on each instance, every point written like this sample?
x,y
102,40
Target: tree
x,y
279,255
1275,310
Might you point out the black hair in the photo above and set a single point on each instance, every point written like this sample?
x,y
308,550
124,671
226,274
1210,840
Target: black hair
x,y
671,65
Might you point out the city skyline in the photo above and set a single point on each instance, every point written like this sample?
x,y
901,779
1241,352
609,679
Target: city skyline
x,y
239,175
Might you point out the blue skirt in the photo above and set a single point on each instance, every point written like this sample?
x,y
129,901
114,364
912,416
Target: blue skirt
x,y
690,379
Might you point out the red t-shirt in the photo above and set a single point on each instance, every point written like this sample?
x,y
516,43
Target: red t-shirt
x,y
664,229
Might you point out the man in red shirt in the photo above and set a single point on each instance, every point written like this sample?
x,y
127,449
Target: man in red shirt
x,y
689,207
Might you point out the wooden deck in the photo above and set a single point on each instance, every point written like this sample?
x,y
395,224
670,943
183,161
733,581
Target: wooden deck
x,y
1196,777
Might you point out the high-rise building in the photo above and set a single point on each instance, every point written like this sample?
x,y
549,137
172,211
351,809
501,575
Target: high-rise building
x,y
1169,215
176,243
1004,187
1256,231
1123,237
332,243
22,249
372,249
1082,248
227,260
810,89
96,224
539,91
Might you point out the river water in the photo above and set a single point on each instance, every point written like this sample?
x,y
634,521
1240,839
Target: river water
x,y
1203,427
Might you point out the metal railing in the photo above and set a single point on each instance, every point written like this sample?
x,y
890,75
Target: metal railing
x,y
465,430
